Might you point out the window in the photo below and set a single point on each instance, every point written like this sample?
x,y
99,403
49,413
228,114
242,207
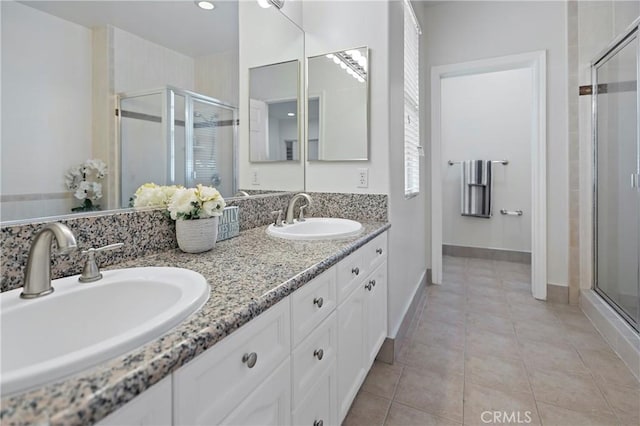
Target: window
x,y
411,102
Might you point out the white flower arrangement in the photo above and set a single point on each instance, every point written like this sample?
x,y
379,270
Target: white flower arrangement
x,y
83,180
182,203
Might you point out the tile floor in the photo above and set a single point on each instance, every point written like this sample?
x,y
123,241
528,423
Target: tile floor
x,y
482,344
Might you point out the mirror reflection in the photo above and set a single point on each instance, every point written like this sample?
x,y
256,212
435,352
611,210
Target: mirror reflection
x,y
338,106
171,69
273,112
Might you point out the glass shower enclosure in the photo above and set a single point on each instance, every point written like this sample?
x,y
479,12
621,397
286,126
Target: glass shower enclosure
x,y
171,136
617,174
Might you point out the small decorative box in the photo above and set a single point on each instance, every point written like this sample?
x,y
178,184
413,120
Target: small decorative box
x,y
229,225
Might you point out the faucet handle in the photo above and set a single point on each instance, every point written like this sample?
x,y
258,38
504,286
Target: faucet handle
x,y
301,216
91,271
278,221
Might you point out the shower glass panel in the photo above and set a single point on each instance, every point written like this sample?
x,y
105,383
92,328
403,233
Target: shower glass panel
x,y
617,167
172,136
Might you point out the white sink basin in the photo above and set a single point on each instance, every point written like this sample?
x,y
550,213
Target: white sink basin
x,y
317,228
82,324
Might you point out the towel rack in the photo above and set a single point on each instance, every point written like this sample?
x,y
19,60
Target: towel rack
x,y
511,213
504,162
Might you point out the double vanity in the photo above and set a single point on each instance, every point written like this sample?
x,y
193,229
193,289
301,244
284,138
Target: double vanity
x,y
287,335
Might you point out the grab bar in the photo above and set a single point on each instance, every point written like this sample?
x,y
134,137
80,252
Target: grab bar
x,y
505,162
511,213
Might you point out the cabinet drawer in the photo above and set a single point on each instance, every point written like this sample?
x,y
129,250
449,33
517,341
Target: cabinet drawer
x,y
351,271
311,304
307,365
320,405
214,383
375,251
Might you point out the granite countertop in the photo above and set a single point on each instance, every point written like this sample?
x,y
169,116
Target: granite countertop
x,y
248,274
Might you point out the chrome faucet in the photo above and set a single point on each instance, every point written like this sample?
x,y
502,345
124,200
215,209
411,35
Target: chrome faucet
x,y
37,276
292,203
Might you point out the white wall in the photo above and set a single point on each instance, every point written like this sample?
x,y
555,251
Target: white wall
x,y
140,65
488,117
217,76
44,101
340,25
465,31
266,36
407,242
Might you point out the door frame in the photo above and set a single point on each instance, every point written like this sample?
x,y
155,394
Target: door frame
x,y
536,62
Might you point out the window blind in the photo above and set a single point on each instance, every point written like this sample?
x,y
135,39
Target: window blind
x,y
411,102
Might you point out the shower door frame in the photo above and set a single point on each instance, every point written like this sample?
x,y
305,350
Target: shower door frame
x,y
629,36
168,94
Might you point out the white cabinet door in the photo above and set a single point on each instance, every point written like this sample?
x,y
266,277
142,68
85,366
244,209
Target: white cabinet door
x,y
376,312
209,387
269,404
151,408
351,355
319,407
311,304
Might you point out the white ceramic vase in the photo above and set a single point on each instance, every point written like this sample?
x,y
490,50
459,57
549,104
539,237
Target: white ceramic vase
x,y
197,236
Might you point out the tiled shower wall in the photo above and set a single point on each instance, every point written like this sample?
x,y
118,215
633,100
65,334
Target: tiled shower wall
x,y
148,232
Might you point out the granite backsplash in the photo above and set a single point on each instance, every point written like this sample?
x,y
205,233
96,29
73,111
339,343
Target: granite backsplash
x,y
147,232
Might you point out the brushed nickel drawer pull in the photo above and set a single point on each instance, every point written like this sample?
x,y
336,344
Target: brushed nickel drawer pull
x,y
318,301
250,359
373,283
318,353
368,286
379,250
318,423
355,270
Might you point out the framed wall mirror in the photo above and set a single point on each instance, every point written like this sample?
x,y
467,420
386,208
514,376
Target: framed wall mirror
x,y
273,112
338,106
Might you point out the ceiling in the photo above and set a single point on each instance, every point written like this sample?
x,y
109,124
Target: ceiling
x,y
179,25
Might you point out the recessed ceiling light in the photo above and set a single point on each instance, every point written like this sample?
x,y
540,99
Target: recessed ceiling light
x,y
291,114
206,5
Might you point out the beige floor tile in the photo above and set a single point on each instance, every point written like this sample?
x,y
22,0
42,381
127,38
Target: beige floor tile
x,y
432,391
552,356
496,324
532,331
535,313
447,298
575,321
440,333
557,416
491,343
481,402
588,340
495,308
625,402
608,368
576,392
439,358
382,379
486,292
458,287
367,410
521,275
441,313
483,281
402,415
516,286
498,372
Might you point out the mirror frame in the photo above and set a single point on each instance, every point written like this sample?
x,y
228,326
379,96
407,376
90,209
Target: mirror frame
x,y
367,108
300,131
